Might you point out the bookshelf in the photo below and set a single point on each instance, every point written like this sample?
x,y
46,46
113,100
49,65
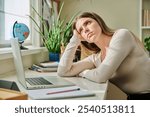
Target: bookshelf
x,y
144,19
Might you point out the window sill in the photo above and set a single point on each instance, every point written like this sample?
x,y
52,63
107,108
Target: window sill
x,y
6,53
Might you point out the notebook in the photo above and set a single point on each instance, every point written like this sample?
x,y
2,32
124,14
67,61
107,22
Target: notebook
x,y
35,82
59,93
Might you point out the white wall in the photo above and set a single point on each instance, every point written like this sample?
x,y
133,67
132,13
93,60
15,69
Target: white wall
x,y
7,65
116,13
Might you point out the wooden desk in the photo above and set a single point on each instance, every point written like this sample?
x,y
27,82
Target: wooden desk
x,y
99,89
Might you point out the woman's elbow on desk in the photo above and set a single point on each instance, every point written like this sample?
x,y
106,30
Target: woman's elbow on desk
x,y
60,72
63,72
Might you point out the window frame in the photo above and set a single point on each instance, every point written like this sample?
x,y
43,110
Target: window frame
x,y
34,36
2,20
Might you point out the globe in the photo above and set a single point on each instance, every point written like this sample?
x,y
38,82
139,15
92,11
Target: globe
x,y
20,31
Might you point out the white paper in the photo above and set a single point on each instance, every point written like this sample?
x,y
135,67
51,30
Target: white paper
x,y
42,93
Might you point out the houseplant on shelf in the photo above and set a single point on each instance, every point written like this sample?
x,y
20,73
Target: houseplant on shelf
x,y
56,36
147,44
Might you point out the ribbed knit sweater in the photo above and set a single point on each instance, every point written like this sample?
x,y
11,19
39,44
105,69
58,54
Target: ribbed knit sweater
x,y
126,64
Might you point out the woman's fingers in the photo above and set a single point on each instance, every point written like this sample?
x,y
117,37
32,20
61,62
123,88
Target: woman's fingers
x,y
78,35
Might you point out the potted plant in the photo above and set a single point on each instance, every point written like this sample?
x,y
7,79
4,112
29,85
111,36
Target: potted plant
x,y
147,43
56,36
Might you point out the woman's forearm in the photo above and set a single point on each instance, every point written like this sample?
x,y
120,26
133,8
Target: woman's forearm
x,y
66,60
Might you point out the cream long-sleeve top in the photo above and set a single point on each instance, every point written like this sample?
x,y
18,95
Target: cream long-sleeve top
x,y
126,64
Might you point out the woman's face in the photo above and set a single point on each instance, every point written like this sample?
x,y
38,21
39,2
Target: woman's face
x,y
89,29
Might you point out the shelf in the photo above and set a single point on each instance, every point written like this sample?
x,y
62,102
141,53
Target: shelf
x,y
144,19
145,27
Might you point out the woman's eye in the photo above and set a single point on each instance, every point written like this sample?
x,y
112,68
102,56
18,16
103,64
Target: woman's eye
x,y
88,22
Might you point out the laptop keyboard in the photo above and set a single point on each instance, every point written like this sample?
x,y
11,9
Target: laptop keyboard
x,y
38,81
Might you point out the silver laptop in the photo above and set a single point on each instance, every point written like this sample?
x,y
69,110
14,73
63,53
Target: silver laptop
x,y
36,82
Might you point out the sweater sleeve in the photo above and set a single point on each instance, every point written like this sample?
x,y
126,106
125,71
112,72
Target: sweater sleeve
x,y
119,48
66,65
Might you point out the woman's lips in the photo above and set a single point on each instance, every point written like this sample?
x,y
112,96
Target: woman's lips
x,y
89,35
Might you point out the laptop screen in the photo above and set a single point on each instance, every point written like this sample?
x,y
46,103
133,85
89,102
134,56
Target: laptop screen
x,y
18,61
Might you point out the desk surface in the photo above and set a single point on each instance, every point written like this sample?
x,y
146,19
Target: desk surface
x,y
99,89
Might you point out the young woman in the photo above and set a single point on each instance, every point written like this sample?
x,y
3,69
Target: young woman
x,y
119,57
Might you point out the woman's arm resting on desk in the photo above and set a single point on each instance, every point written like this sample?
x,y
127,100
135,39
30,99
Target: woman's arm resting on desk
x,y
66,66
119,48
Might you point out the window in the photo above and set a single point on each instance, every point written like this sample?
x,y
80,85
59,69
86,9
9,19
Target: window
x,y
18,10
10,12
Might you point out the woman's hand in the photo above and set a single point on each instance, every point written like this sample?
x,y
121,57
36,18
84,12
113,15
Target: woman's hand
x,y
78,35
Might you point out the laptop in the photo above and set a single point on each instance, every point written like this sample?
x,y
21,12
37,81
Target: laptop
x,y
34,82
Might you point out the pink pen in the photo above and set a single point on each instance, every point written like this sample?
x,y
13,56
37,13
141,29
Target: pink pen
x,y
64,91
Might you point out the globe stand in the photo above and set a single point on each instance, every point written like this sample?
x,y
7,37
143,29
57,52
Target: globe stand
x,y
22,47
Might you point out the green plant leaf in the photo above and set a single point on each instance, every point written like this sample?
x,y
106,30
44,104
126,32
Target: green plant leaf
x,y
147,43
57,34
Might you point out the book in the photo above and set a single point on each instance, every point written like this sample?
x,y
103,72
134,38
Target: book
x,y
43,69
49,64
59,93
7,94
146,17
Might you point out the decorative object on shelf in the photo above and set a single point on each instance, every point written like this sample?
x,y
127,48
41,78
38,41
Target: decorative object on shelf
x,y
20,31
147,43
55,35
144,19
